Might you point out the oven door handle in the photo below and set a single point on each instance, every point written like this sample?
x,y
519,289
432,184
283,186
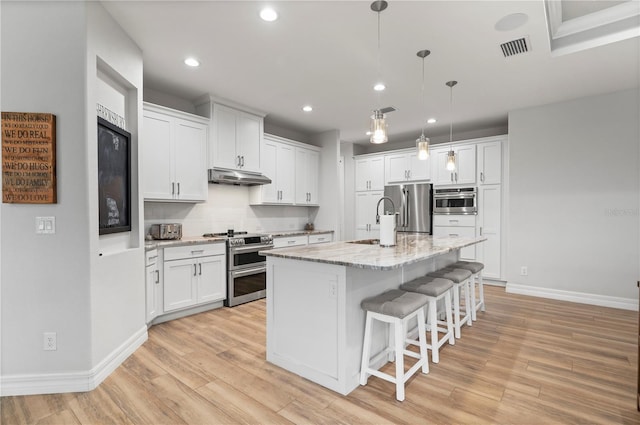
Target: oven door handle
x,y
248,272
252,248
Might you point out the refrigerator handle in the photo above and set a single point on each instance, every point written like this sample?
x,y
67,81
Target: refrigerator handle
x,y
406,208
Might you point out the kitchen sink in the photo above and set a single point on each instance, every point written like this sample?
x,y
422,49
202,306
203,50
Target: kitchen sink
x,y
367,241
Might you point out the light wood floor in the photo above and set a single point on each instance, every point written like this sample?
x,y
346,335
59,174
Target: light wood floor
x,y
525,361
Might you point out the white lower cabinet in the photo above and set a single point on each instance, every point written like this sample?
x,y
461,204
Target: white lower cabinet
x,y
457,226
194,274
152,282
489,220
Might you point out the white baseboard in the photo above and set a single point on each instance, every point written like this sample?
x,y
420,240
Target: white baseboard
x,y
53,383
576,297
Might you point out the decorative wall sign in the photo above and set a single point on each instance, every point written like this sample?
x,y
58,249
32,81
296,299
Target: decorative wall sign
x,y
114,170
110,116
28,158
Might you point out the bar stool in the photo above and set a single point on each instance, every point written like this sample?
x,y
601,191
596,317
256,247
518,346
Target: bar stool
x,y
461,280
476,269
436,289
396,308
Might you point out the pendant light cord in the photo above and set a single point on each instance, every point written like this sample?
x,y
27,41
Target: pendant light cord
x,y
379,61
451,115
424,103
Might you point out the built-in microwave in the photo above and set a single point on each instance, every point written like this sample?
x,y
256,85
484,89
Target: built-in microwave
x,y
462,200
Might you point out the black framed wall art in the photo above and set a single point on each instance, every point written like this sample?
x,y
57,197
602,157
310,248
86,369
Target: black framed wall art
x,y
114,178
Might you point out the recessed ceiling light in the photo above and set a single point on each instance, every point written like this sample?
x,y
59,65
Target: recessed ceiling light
x,y
192,62
511,22
379,87
307,108
268,14
431,121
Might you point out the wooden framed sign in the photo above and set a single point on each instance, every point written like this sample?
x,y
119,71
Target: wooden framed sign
x,y
28,158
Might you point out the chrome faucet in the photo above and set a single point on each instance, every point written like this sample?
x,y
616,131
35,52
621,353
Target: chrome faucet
x,y
378,208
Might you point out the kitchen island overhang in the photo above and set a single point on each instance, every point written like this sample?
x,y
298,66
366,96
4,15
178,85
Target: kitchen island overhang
x,y
315,325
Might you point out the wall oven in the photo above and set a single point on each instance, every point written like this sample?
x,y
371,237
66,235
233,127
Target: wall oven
x,y
455,201
247,270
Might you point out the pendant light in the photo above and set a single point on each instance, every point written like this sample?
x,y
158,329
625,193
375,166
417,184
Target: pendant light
x,y
422,143
451,155
378,124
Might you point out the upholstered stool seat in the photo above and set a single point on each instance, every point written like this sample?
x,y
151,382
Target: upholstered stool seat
x,y
397,308
462,282
476,269
436,289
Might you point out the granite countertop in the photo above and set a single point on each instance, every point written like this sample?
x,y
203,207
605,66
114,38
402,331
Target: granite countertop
x,y
279,233
195,240
410,248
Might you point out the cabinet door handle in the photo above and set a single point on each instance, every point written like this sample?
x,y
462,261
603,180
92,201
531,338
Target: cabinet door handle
x,y
178,188
480,230
157,276
173,188
456,176
238,160
195,269
242,161
481,176
200,269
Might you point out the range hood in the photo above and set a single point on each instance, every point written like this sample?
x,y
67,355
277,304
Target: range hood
x,y
243,178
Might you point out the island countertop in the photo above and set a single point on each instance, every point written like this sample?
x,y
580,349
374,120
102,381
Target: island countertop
x,y
410,248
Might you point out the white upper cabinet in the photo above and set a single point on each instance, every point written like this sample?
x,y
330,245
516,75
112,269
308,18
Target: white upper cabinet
x,y
406,167
370,173
465,172
173,154
293,168
236,137
307,169
490,163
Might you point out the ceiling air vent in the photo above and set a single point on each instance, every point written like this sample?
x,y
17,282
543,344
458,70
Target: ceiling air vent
x,y
515,47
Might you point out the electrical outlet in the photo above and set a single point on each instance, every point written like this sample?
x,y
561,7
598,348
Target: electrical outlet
x,y
524,271
50,341
333,290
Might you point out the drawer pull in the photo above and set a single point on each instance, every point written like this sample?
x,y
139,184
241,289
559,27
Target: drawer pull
x,y
454,234
290,242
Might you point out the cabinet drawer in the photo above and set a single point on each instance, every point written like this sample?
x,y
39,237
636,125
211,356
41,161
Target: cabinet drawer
x,y
283,242
151,257
454,220
195,250
322,238
462,232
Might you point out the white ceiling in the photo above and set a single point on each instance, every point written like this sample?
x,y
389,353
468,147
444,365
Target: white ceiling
x,y
324,53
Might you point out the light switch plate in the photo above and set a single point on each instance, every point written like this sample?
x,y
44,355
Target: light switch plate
x,y
45,225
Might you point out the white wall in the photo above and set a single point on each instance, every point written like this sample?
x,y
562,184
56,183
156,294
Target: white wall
x,y
46,278
227,207
574,199
349,221
117,261
328,215
60,283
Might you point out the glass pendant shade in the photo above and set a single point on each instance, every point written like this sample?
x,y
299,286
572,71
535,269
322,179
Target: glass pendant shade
x,y
451,160
422,143
378,128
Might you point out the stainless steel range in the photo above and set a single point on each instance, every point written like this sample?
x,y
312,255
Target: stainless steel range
x,y
246,269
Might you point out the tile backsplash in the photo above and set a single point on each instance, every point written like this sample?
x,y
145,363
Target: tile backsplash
x,y
227,208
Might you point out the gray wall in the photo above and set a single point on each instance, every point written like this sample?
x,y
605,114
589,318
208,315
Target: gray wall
x,y
51,54
573,197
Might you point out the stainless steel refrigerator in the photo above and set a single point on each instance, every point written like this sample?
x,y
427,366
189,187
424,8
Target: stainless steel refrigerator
x,y
413,206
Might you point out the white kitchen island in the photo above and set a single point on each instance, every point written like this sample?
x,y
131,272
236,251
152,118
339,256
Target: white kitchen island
x,y
315,325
